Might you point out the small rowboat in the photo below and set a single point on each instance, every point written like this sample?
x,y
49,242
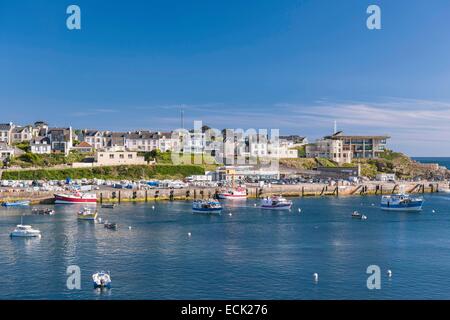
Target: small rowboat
x,y
16,203
108,206
43,211
111,226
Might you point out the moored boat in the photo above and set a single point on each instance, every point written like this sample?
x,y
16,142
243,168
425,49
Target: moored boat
x,y
101,280
75,197
87,214
444,189
358,215
401,202
110,225
16,203
108,205
206,206
239,193
43,211
25,231
276,202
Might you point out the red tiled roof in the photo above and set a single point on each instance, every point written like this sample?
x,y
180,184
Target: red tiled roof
x,y
83,144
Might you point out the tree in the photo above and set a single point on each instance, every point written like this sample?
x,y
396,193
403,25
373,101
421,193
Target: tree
x,y
6,162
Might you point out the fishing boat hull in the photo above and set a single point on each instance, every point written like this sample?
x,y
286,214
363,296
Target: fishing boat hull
x,y
74,199
207,209
232,196
284,206
401,202
24,235
410,208
91,216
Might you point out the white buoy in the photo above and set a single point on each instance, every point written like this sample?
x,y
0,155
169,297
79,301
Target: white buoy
x,y
254,204
153,207
230,214
299,210
373,204
129,227
189,234
389,273
100,220
433,211
316,277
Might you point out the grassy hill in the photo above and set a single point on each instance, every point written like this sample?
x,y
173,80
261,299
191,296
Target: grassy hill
x,y
109,173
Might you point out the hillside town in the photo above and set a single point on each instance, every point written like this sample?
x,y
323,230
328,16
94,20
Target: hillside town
x,y
337,155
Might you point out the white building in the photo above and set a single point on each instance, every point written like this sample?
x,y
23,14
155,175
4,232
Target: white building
x,y
6,151
21,134
329,149
114,158
385,177
41,145
6,132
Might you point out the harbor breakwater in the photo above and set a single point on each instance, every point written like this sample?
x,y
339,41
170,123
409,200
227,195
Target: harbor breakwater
x,y
191,193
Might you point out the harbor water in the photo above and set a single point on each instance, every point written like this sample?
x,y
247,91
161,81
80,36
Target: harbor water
x,y
242,253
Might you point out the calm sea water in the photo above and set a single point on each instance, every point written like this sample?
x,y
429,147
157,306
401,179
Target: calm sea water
x,y
442,161
251,254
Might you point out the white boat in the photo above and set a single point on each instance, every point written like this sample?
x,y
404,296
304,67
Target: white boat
x,y
233,194
45,211
206,206
358,215
276,203
401,202
444,190
75,197
101,280
87,214
25,231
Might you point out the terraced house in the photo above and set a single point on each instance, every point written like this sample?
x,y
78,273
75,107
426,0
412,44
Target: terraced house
x,y
6,132
21,134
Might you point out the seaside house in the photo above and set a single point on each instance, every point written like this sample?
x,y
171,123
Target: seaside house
x,y
118,156
61,139
365,146
95,138
39,129
83,147
141,141
21,134
6,132
166,142
344,148
114,139
41,145
6,151
329,149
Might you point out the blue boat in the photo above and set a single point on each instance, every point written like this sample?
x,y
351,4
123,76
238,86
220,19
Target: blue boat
x,y
206,206
401,202
16,203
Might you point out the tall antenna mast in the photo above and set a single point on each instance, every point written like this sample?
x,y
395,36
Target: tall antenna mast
x,y
335,126
182,118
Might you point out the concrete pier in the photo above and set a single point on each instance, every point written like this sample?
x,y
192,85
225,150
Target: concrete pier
x,y
106,195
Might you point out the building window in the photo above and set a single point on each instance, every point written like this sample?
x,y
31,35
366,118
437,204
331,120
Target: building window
x,y
130,156
111,156
121,156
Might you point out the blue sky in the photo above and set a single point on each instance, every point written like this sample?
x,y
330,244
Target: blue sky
x,y
296,65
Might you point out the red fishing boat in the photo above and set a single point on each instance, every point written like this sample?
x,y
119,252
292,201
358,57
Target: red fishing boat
x,y
75,197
